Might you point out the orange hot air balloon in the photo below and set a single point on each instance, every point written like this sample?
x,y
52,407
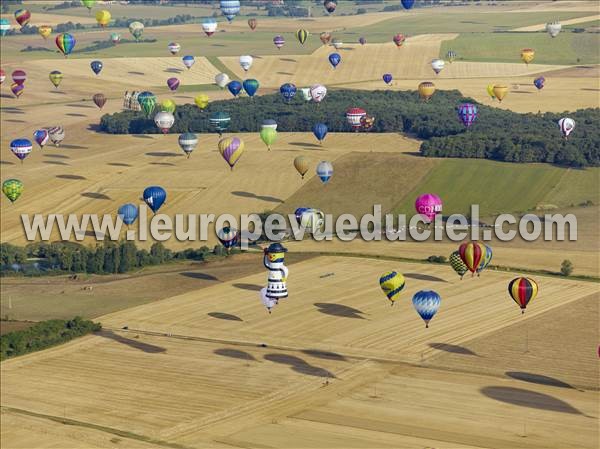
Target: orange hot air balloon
x,y
426,90
471,254
252,24
325,37
500,91
522,291
527,55
45,31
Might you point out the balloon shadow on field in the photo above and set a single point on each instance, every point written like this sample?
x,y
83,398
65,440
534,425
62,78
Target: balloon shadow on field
x,y
424,277
6,163
146,347
74,147
590,89
270,199
163,154
13,110
303,144
57,92
72,114
55,163
224,316
162,163
324,354
538,379
196,275
72,177
142,136
94,127
95,196
235,354
56,156
137,73
251,287
173,70
118,164
520,92
6,96
299,365
339,310
76,105
12,120
285,73
288,60
454,349
528,398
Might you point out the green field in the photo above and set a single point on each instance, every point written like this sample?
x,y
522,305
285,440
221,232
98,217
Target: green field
x,y
567,48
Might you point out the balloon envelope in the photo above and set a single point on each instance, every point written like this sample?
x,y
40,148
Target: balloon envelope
x,y
41,137
467,113
387,78
566,125
201,101
234,87
539,82
99,100
288,91
318,93
231,149
188,142
522,290
230,8
325,171
96,66
188,61
428,205
12,188
426,303
268,136
392,283
154,197
250,86
21,148
65,43
173,83
335,59
320,131
221,80
128,213
301,165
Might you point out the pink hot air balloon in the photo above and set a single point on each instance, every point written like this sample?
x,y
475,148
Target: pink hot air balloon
x,y
173,83
428,205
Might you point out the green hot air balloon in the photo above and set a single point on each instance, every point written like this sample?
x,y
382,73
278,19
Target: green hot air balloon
x,y
147,101
12,188
457,264
89,4
268,136
219,121
136,29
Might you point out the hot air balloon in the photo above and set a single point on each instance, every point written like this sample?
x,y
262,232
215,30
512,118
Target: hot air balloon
x,y
522,291
45,31
268,136
173,83
387,78
99,100
305,91
154,197
367,122
164,121
566,125
553,28
490,91
188,61
337,44
301,165
428,205
12,188
209,26
103,17
399,39
426,90
527,55
426,303
234,87
318,93
17,89
228,237
500,91
201,101
230,8
392,283
407,4
128,213
41,137
268,123
136,29
320,131
219,121
22,17
56,135
472,254
539,82
19,77
250,86
252,23
485,260
302,35
231,148
221,80
174,48
335,59
362,40
467,113
147,101
188,143
246,62
437,65
457,264
168,105
324,171
353,116
65,43
2,76
21,148
330,5
279,41
96,66
115,38
451,56
89,4
288,91
325,37
267,301
4,26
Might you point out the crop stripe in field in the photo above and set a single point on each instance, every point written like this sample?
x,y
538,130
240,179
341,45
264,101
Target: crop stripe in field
x,y
218,64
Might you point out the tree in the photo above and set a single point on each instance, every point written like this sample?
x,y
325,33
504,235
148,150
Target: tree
x,y
566,267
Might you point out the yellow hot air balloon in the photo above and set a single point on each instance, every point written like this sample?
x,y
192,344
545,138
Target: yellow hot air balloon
x,y
103,18
55,77
426,90
490,91
500,91
527,55
201,101
301,164
45,31
168,105
391,284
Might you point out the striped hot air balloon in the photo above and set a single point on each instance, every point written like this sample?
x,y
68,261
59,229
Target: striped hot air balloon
x,y
522,290
527,55
19,76
472,253
325,171
17,89
302,35
128,213
219,121
173,83
99,100
566,125
279,41
22,17
457,264
353,117
147,101
21,148
188,143
230,8
451,56
231,149
228,236
41,137
65,43
426,303
392,283
467,113
174,48
426,90
485,260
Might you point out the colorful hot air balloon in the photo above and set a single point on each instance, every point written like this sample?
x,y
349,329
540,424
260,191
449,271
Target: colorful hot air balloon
x,y
539,82
302,35
335,59
65,43
230,8
103,17
324,171
55,77
250,86
19,76
12,188
228,236
367,122
451,56
553,28
353,116
428,205
392,283
426,303
188,61
318,93
96,66
330,5
17,89
472,254
2,76
301,165
201,101
490,91
485,260
566,125
268,123
56,135
235,87
89,4
467,113
154,197
164,121
325,37
45,31
4,26
128,213
21,148
168,105
173,83
320,131
279,41
209,26
288,91
407,4
174,48
246,62
219,121
41,137
437,65
457,264
426,90
268,136
147,101
522,291
527,55
136,29
399,39
115,38
22,17
188,143
231,148
99,100
387,78
252,23
500,91
221,80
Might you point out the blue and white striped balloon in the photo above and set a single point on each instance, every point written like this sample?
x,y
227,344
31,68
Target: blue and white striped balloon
x,y
230,8
128,213
426,303
325,171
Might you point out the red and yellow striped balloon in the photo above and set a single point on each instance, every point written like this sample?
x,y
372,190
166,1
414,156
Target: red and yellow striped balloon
x,y
522,291
471,254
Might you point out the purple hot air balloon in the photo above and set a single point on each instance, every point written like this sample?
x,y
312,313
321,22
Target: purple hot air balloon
x,y
41,137
279,41
428,205
173,83
539,82
362,40
467,112
387,78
